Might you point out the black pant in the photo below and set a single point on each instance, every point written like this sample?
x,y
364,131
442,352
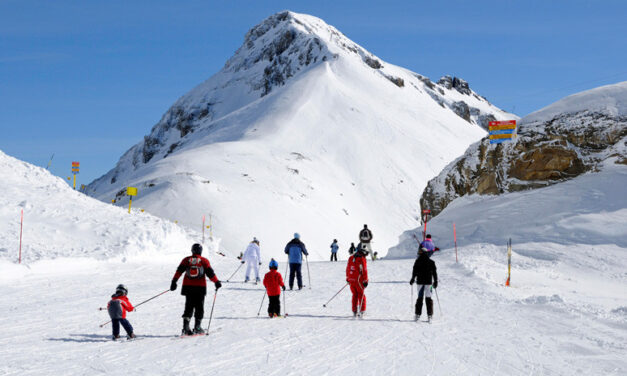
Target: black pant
x,y
295,271
194,302
115,325
333,256
275,305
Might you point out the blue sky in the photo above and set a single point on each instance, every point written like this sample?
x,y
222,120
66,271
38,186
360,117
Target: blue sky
x,y
86,80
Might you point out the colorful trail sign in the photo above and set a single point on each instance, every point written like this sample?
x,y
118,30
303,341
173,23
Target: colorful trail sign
x,y
501,131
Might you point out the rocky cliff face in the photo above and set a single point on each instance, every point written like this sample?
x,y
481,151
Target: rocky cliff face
x,y
558,143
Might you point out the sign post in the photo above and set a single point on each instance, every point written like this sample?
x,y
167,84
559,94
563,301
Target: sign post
x,y
501,131
455,239
130,191
75,168
425,215
210,228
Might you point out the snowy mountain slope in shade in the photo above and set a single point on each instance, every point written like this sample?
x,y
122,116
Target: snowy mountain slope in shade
x,y
60,222
588,212
302,130
564,314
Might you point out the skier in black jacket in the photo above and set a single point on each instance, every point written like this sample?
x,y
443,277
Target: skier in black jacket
x,y
425,275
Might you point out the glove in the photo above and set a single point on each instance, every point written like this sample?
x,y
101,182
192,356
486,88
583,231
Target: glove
x,y
243,261
347,281
436,249
259,264
283,287
173,285
411,282
435,284
218,284
365,284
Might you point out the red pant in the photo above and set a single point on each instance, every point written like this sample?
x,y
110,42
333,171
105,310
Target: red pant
x,y
358,296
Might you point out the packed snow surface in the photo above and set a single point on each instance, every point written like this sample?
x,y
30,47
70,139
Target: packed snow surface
x,y
565,312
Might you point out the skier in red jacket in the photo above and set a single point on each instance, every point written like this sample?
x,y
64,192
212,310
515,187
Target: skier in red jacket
x,y
357,277
117,308
274,283
194,287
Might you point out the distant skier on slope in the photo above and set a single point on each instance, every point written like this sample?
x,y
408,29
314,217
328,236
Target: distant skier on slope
x,y
252,258
365,237
351,250
194,287
295,249
426,276
274,283
428,245
357,277
117,308
334,248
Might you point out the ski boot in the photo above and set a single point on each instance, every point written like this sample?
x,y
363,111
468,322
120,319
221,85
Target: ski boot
x,y
257,280
197,327
246,280
131,336
416,318
186,329
115,338
429,319
354,314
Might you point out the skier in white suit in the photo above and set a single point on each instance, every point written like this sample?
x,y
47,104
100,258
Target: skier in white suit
x,y
252,256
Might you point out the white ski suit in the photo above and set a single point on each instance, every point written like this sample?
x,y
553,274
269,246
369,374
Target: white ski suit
x,y
252,256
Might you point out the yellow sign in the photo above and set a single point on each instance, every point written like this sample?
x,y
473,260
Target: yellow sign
x,y
131,191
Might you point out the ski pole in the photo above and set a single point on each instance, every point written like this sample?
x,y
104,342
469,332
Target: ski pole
x,y
261,305
211,314
437,297
240,265
325,304
145,301
308,274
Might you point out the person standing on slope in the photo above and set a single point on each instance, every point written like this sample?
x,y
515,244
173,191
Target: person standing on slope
x,y
334,248
274,283
428,245
365,237
351,250
195,268
252,257
357,277
426,276
295,250
117,308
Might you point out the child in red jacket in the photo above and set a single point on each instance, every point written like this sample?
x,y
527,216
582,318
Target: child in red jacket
x,y
357,277
274,283
117,308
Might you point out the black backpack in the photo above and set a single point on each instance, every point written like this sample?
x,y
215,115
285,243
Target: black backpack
x,y
194,268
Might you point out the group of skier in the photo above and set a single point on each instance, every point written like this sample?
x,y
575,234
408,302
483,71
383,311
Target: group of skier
x,y
196,269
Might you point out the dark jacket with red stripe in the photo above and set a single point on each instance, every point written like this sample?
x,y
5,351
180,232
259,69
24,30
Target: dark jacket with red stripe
x,y
425,272
356,269
195,269
118,306
273,282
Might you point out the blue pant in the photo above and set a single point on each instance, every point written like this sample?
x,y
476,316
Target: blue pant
x,y
115,324
295,270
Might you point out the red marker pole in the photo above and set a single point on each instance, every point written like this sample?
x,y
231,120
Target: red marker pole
x,y
21,225
455,238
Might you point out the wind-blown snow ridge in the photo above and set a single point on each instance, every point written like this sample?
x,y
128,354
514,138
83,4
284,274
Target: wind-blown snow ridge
x,y
609,100
61,222
301,128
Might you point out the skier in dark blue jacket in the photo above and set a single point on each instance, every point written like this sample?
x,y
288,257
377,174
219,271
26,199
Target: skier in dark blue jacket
x,y
295,250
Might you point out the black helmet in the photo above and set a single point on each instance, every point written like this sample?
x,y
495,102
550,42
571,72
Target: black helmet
x,y
121,289
196,249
